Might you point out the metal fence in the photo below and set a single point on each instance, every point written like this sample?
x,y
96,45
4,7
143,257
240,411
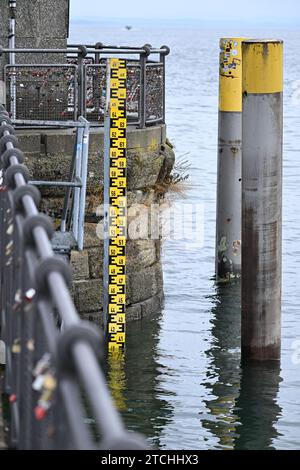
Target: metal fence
x,y
52,374
42,92
65,91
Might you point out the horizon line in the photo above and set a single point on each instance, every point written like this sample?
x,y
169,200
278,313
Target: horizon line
x,y
291,21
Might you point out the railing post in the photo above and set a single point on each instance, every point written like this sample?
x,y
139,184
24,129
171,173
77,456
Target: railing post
x,y
229,194
143,61
262,198
162,59
98,45
83,177
143,89
77,190
82,52
79,81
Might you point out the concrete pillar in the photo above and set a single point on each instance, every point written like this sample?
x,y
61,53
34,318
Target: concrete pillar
x,y
261,198
228,227
39,24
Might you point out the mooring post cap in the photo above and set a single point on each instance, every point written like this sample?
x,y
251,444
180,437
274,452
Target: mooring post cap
x,y
263,41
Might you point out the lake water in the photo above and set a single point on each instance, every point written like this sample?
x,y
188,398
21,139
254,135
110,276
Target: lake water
x,y
182,385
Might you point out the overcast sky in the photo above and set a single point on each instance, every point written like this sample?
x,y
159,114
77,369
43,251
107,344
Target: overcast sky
x,y
252,11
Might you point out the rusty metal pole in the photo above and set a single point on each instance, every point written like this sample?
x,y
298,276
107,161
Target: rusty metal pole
x,y
228,225
262,198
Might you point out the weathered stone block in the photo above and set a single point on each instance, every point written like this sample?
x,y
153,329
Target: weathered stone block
x,y
148,139
152,305
133,312
94,317
53,206
96,261
143,169
141,196
145,283
95,174
90,236
88,295
59,143
49,168
80,265
96,143
140,254
52,167
29,143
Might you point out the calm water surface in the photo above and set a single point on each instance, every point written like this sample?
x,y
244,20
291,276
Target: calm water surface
x,y
182,385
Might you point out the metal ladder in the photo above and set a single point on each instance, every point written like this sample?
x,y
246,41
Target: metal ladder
x,y
71,233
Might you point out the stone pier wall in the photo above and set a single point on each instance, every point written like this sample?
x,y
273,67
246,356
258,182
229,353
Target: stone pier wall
x,y
150,160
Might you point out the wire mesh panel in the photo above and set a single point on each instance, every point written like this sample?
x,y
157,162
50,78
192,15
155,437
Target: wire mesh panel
x,y
85,61
133,91
154,92
95,91
95,87
42,92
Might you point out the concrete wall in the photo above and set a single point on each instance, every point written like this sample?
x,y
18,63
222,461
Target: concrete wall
x,y
150,159
39,24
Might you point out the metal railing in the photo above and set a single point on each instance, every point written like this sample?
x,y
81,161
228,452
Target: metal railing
x,y
52,372
65,91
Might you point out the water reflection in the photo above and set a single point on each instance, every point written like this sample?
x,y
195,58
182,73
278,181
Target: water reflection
x,y
147,407
243,411
257,406
223,374
116,379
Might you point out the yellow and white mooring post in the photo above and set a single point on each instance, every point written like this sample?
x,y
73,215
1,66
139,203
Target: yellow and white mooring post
x,y
115,206
228,225
262,198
